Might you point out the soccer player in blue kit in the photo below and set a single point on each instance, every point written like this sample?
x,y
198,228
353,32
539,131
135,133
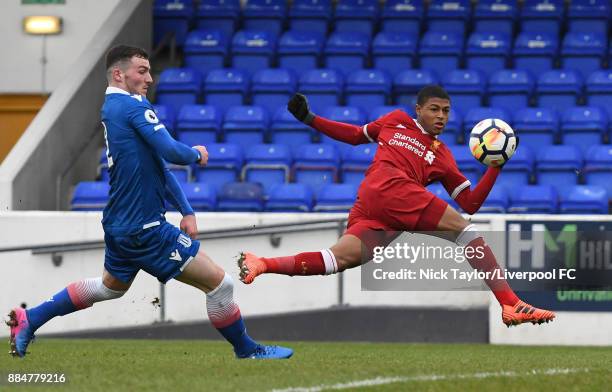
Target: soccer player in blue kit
x,y
137,235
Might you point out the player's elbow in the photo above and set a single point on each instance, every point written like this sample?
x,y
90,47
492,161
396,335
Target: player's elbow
x,y
470,209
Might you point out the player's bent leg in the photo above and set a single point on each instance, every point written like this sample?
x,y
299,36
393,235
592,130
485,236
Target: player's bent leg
x,y
223,312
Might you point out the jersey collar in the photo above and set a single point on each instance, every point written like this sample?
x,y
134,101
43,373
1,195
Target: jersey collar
x,y
115,90
423,131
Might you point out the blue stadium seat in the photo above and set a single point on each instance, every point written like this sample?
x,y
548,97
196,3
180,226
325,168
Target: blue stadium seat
x,y
290,198
498,200
598,167
393,52
285,129
347,51
202,197
265,15
535,52
356,16
584,199
510,89
166,116
218,14
272,88
336,198
182,173
518,170
367,88
449,16
224,163
323,87
245,125
487,52
475,115
346,114
178,87
226,87
310,15
90,196
206,50
356,162
241,196
267,164
408,83
469,166
453,132
542,16
300,51
440,51
599,90
583,52
558,166
534,199
495,15
438,189
559,89
466,87
589,16
171,17
403,15
198,124
537,127
316,165
253,50
379,111
584,126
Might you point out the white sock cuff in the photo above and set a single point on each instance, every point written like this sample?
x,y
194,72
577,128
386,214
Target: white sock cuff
x,y
331,266
226,285
109,293
468,234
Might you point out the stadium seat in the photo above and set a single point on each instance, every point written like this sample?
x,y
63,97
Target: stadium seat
x,y
310,15
347,51
475,115
272,88
495,15
300,51
290,198
393,52
534,199
346,114
336,198
171,17
218,14
201,196
206,50
470,167
265,15
178,87
316,165
407,84
198,124
285,129
542,16
583,52
241,196
367,88
438,189
253,50
379,111
584,199
518,170
466,88
538,127
497,201
356,16
535,52
165,115
225,88
449,16
356,162
453,132
510,89
323,87
182,173
584,126
487,52
589,16
267,164
403,16
599,90
598,167
224,163
440,51
559,89
558,166
90,196
245,125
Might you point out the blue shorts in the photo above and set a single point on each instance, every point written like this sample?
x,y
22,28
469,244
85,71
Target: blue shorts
x,y
163,251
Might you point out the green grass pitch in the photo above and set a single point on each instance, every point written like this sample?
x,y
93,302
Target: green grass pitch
x,y
199,365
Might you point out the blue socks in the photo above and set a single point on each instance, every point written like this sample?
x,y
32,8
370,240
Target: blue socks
x,y
58,305
236,334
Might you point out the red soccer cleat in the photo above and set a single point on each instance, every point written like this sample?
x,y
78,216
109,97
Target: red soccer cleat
x,y
250,266
522,312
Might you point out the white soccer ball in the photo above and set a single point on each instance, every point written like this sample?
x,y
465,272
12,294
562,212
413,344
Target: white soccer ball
x,y
492,142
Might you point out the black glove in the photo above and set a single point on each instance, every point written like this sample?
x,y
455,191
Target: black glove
x,y
298,106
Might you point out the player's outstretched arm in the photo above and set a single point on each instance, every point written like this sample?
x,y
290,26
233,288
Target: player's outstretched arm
x,y
175,195
347,133
470,200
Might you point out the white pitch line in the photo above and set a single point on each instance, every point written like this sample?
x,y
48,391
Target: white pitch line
x,y
429,377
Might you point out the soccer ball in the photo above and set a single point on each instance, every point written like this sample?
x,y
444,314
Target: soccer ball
x,y
492,142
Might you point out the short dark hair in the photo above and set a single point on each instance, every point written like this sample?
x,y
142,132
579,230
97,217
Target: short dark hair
x,y
124,53
431,91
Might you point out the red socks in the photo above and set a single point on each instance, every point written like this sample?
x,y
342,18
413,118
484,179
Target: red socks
x,y
307,263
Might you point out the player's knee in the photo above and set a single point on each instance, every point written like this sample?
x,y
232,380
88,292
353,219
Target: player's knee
x,y
225,289
467,235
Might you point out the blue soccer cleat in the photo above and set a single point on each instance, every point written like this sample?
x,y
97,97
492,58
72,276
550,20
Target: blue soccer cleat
x,y
21,333
268,352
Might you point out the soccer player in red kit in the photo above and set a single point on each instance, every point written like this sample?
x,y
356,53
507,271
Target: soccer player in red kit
x,y
393,198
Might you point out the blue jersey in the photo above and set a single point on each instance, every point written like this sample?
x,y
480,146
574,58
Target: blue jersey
x,y
137,149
